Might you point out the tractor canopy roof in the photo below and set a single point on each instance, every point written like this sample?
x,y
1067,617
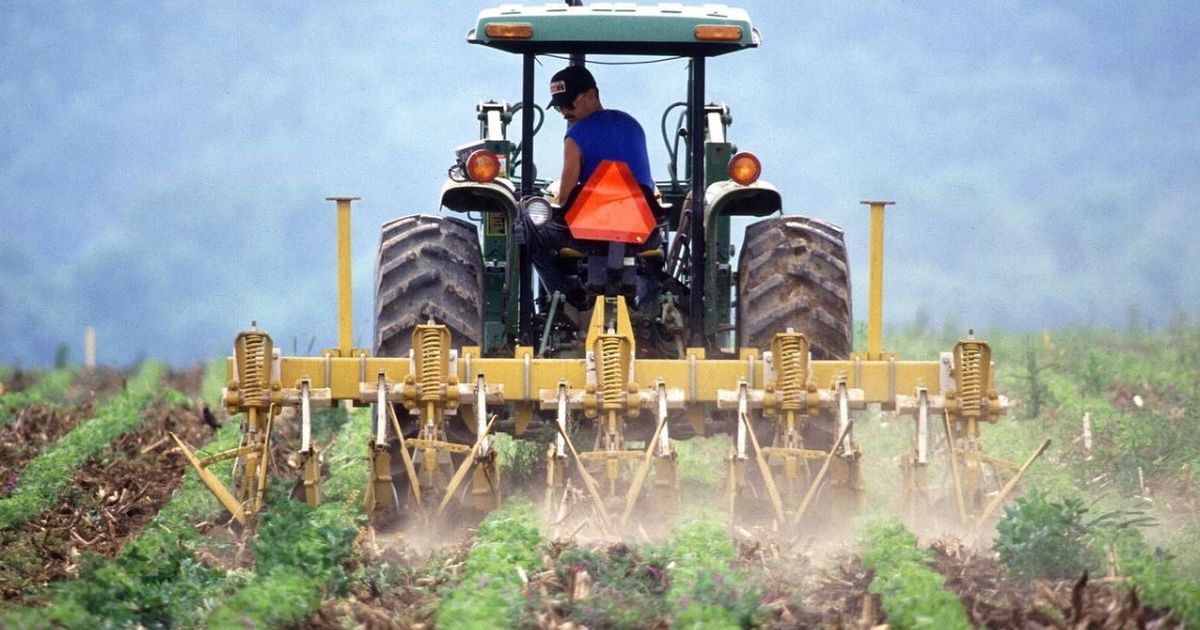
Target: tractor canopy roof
x,y
622,28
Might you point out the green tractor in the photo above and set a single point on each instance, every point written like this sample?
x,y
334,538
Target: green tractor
x,y
792,275
793,271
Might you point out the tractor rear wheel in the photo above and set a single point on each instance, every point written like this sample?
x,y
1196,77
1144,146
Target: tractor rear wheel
x,y
429,268
793,273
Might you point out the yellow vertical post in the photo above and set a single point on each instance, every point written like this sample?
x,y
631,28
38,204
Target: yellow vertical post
x,y
345,312
875,307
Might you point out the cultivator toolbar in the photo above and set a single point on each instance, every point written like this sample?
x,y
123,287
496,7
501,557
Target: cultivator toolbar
x,y
777,392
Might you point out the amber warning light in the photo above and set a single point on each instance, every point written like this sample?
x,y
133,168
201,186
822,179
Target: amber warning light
x,y
509,30
718,33
744,168
483,166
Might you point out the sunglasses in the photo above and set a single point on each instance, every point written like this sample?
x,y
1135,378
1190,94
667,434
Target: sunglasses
x,y
569,107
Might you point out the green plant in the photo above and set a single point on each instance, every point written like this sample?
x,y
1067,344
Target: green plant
x,y
302,551
910,592
1038,537
706,589
518,458
61,353
491,594
627,591
1094,375
301,554
1031,385
1157,574
701,460
1161,586
1042,538
156,580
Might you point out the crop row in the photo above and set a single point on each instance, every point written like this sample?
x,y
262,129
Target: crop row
x,y
155,579
491,594
45,477
706,589
50,388
691,578
911,593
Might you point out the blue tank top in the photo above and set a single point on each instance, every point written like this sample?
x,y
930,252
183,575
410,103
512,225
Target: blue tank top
x,y
611,134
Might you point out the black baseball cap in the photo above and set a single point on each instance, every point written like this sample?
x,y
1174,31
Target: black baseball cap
x,y
569,83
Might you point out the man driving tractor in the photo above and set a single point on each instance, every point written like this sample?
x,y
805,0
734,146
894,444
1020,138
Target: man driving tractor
x,y
593,132
594,135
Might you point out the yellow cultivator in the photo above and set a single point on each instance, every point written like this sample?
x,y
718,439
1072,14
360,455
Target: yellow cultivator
x,y
780,390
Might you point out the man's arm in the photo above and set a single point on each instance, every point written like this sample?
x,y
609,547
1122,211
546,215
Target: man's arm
x,y
572,165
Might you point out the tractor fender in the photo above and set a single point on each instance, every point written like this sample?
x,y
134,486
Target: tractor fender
x,y
496,196
728,197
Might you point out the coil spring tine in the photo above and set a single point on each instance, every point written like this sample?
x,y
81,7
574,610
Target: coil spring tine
x,y
791,371
970,378
611,381
253,379
431,366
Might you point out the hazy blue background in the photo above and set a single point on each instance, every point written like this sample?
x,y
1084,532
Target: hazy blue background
x,y
163,166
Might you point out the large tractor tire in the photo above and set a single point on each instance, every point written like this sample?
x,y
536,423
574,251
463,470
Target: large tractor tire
x,y
429,268
793,273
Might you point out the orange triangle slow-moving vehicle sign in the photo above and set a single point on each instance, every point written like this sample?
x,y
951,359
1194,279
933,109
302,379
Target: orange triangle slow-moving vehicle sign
x,y
611,207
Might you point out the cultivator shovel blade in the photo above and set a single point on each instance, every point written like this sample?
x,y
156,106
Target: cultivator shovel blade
x,y
210,481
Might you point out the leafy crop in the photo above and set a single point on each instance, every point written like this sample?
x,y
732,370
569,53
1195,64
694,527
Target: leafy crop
x,y
1041,538
707,590
700,460
156,582
1159,584
1031,384
44,479
518,457
911,593
301,554
492,594
50,388
301,550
